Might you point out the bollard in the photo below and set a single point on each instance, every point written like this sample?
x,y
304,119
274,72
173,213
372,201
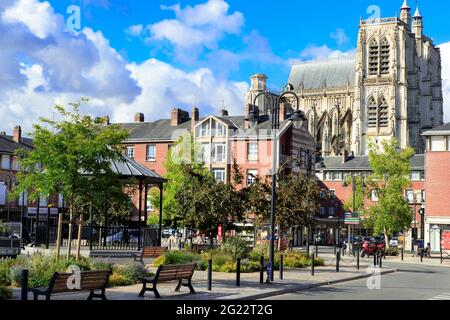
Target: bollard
x,y
421,257
401,251
269,272
380,261
281,267
338,257
238,273
209,274
357,259
312,263
374,259
261,270
24,284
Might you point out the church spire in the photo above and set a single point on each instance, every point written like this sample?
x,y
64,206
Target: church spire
x,y
418,23
405,6
405,14
417,14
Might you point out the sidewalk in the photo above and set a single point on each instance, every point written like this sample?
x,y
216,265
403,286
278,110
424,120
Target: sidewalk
x,y
224,284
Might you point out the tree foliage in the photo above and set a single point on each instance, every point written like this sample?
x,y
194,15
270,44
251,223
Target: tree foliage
x,y
358,195
71,156
390,179
298,200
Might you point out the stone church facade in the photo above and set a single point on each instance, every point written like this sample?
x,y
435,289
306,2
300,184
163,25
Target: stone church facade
x,y
391,88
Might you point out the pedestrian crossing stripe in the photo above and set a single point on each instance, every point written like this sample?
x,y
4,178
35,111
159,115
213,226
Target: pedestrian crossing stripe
x,y
442,296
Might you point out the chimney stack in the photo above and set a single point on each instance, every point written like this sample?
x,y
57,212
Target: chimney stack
x,y
139,117
223,113
194,118
178,116
17,134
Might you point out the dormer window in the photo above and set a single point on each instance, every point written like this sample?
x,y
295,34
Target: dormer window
x,y
219,129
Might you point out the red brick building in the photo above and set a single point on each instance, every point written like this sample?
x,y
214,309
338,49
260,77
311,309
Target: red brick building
x,y
437,173
333,173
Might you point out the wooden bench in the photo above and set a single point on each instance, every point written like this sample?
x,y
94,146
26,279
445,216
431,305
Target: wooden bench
x,y
168,273
149,252
63,282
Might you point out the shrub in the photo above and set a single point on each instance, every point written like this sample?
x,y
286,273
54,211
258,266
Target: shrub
x,y
175,257
5,293
251,266
259,251
133,271
116,280
5,271
228,267
295,260
392,252
236,247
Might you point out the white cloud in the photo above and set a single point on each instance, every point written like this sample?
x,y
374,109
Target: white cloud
x,y
42,64
340,37
164,87
135,30
194,29
313,52
445,57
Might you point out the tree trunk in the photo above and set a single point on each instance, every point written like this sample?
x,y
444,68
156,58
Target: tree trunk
x,y
386,239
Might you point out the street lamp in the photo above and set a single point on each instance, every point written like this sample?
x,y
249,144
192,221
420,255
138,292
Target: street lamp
x,y
297,118
422,221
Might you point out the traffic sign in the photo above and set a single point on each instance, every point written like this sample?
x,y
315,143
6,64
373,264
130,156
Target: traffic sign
x,y
352,218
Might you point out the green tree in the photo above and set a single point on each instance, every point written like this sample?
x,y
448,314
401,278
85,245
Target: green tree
x,y
298,200
358,195
390,178
72,157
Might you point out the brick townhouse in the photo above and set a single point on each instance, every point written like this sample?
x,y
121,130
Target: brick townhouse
x,y
437,175
22,208
246,139
333,172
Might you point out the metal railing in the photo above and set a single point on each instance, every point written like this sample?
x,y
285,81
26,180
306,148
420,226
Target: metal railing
x,y
102,238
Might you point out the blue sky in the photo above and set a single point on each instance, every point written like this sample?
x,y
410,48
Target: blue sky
x,y
149,56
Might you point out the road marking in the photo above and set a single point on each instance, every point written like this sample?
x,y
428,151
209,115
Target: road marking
x,y
442,296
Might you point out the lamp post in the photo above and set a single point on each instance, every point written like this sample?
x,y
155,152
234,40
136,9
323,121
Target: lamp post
x,y
422,221
297,118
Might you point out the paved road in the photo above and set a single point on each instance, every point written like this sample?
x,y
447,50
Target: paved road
x,y
412,282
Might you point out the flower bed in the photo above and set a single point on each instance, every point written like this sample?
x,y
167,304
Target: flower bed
x,y
224,259
41,268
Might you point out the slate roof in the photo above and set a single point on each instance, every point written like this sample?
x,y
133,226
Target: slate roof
x,y
361,163
162,130
315,75
444,129
9,146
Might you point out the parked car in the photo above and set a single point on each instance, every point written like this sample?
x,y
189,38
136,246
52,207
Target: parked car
x,y
393,242
10,240
120,237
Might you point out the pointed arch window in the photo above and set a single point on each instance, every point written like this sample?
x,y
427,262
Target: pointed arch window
x,y
383,113
372,113
384,56
374,49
